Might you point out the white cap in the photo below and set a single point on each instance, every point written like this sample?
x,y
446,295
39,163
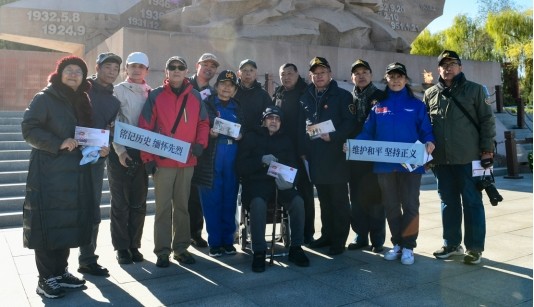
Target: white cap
x,y
137,58
209,57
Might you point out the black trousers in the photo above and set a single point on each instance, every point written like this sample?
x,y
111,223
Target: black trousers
x,y
128,202
335,212
305,189
196,217
51,263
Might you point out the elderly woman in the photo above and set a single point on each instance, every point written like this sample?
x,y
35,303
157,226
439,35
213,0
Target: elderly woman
x,y
58,190
219,195
399,117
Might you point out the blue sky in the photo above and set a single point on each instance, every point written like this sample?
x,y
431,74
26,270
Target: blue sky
x,y
455,7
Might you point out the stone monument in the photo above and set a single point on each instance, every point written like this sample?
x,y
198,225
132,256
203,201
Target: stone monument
x,y
77,26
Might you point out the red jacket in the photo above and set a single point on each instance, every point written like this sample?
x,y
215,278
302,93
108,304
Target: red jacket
x,y
160,112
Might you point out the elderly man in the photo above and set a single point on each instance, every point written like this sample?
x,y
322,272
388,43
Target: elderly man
x,y
287,97
207,66
252,98
367,212
258,149
174,109
105,109
464,127
323,100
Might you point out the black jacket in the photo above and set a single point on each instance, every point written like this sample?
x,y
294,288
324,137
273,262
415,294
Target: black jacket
x,y
289,102
326,159
253,173
56,212
253,101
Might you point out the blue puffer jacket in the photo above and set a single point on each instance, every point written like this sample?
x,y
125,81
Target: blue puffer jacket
x,y
398,118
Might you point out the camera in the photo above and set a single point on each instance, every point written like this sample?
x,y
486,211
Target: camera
x,y
486,183
133,165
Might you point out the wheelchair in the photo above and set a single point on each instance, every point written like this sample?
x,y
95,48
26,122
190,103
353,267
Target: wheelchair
x,y
276,214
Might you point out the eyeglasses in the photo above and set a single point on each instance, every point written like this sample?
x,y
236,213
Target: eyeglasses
x,y
275,118
449,65
175,67
73,72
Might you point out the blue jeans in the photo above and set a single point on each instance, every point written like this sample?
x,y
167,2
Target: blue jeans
x,y
457,190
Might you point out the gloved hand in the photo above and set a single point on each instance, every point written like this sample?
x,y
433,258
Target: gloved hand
x,y
281,184
267,159
196,149
151,167
486,163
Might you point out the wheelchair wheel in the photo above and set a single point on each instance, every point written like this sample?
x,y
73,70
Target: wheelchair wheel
x,y
285,233
243,238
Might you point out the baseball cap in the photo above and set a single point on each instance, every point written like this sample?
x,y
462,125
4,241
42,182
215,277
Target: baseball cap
x,y
137,58
318,61
227,75
175,58
249,62
208,57
360,63
108,57
272,110
398,67
448,54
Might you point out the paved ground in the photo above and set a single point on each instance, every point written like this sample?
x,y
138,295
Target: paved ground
x,y
355,278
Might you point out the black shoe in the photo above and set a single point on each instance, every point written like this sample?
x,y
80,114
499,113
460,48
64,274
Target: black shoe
x,y
49,288
321,242
184,258
356,245
336,250
67,280
136,255
258,262
93,269
216,251
446,251
377,249
229,250
163,261
199,242
124,256
472,257
298,257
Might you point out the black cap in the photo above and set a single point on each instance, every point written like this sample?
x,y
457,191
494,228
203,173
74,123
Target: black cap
x,y
448,54
227,75
319,61
175,58
398,67
108,57
272,110
249,62
360,63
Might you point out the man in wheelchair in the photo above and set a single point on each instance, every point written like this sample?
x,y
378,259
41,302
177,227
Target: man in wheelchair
x,y
257,150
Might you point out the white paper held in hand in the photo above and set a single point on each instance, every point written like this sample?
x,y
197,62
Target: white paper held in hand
x,y
287,172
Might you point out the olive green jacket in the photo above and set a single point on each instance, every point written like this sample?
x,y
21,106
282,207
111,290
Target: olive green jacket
x,y
457,139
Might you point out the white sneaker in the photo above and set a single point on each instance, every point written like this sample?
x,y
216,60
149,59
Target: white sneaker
x,y
394,253
407,256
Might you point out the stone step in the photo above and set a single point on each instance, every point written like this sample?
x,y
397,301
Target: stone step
x,y
10,120
15,154
14,219
10,128
13,165
13,204
11,136
13,177
14,145
12,114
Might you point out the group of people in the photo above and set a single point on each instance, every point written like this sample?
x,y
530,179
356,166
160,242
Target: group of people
x,y
63,194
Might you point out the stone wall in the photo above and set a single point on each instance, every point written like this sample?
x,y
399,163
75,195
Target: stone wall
x,y
22,74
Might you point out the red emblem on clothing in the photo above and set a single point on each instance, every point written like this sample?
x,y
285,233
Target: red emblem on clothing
x,y
382,110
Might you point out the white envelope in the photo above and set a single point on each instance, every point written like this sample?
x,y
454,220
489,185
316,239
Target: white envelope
x,y
226,127
287,172
91,137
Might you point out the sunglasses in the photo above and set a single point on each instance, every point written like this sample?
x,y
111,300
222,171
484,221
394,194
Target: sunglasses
x,y
175,67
